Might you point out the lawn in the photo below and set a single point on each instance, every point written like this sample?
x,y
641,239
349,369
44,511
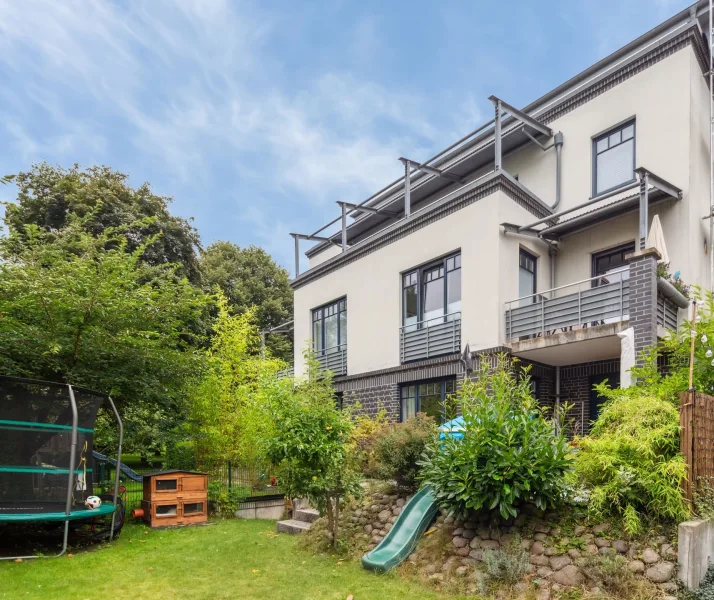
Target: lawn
x,y
236,559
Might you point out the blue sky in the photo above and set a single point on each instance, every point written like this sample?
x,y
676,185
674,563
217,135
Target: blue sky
x,y
257,117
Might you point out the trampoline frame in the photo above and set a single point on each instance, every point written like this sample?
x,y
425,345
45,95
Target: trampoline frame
x,y
72,459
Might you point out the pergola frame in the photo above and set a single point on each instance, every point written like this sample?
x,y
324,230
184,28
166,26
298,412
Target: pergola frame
x,y
411,167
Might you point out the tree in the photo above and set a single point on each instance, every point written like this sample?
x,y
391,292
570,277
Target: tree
x,y
85,309
249,277
310,446
227,403
49,196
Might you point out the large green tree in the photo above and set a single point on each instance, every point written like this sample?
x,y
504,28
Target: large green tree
x,y
83,308
50,196
250,279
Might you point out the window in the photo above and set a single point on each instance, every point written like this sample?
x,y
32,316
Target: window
x,y
614,158
427,398
329,328
609,261
432,292
526,276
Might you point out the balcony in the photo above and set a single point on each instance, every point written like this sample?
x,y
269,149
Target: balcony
x,y
595,301
286,372
430,338
333,359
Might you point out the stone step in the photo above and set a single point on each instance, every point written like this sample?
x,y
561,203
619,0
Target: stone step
x,y
309,515
292,526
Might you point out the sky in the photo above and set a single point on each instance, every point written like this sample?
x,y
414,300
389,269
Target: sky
x,y
256,117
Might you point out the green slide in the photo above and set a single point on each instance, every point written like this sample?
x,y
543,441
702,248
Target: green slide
x,y
399,542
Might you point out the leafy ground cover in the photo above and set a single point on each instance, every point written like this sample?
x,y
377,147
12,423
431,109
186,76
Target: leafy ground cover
x,y
228,559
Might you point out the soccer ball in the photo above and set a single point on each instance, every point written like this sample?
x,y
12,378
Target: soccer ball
x,y
93,502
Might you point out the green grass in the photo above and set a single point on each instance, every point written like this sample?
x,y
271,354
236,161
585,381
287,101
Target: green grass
x,y
231,559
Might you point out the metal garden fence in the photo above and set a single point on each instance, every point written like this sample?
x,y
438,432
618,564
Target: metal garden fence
x,y
248,482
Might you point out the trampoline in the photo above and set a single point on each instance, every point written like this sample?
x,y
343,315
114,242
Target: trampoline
x,y
46,451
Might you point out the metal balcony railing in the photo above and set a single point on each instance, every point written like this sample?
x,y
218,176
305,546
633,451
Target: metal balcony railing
x,y
287,372
667,313
598,300
333,359
430,338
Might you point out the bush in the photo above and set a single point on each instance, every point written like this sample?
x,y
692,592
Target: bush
x,y
614,576
310,445
631,461
507,565
363,440
510,452
398,450
180,455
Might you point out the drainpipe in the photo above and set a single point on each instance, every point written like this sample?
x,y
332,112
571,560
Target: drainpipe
x,y
557,395
558,141
552,253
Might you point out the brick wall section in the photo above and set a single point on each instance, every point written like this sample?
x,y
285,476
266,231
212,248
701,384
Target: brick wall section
x,y
375,398
643,298
380,389
575,390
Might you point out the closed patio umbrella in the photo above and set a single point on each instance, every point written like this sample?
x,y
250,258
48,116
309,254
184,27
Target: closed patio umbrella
x,y
656,240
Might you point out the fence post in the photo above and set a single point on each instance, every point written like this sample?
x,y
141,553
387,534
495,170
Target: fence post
x,y
686,439
230,475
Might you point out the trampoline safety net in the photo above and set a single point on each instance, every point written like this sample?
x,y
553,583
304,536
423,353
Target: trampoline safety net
x,y
35,445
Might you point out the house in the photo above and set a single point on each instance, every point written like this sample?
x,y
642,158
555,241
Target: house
x,y
529,236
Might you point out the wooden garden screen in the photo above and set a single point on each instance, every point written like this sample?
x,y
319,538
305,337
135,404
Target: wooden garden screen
x,y
696,417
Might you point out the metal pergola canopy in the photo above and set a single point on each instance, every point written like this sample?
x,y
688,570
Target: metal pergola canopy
x,y
463,161
598,215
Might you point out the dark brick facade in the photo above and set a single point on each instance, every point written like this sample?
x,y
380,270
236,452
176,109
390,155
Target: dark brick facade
x,y
575,387
381,389
643,299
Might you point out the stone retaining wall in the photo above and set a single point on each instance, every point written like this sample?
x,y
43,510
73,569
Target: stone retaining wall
x,y
561,554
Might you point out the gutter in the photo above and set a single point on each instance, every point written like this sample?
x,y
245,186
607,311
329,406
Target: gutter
x,y
665,288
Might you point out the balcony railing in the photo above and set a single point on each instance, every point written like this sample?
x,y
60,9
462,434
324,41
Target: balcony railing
x,y
598,300
287,372
430,338
333,359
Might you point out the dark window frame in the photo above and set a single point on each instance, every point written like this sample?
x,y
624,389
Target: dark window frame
x,y
416,384
534,258
535,385
626,248
419,272
321,309
595,154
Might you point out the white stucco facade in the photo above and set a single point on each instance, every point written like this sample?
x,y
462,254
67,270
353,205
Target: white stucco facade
x,y
669,103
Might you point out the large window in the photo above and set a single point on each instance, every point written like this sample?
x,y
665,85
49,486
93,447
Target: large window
x,y
614,158
527,276
432,294
329,327
427,398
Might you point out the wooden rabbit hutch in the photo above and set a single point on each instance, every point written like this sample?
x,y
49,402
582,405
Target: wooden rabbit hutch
x,y
175,498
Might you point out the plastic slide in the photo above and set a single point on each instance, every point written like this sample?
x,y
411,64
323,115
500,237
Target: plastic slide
x,y
399,542
130,473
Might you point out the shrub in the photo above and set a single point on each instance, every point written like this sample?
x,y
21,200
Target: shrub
x,y
310,445
705,591
631,461
507,565
398,450
704,498
363,440
510,452
180,455
614,576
